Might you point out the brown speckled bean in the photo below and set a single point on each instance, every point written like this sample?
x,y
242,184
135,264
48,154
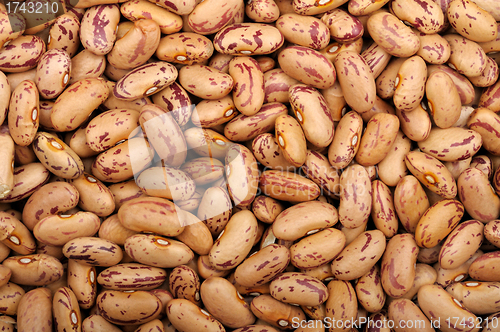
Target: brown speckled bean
x,y
128,308
304,30
93,251
398,265
34,270
35,310
185,315
307,66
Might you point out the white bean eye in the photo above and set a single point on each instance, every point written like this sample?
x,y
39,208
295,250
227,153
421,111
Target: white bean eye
x,y
283,322
162,242
25,260
66,78
15,240
74,319
246,52
180,58
34,114
151,90
57,145
281,141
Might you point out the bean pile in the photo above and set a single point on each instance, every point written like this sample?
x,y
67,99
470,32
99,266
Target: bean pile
x,y
274,165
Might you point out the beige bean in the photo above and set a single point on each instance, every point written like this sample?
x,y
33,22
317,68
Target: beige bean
x,y
276,86
266,209
478,297
464,86
472,21
136,46
404,311
317,249
123,161
176,312
376,58
434,49
383,212
231,39
23,116
184,48
196,235
185,284
318,169
11,294
308,7
212,113
437,222
410,84
145,80
248,98
241,165
97,323
276,313
320,216
99,137
262,267
136,10
157,251
94,195
267,151
312,112
131,276
298,288
461,244
376,143
447,277
467,57
27,179
474,189
34,270
35,310
57,230
92,90
410,202
7,159
228,252
426,16
64,34
392,35
416,124
288,186
451,144
93,251
15,235
291,139
303,30
199,79
17,58
437,304
483,267
484,121
353,72
223,301
353,262
431,173
131,215
82,281
207,142
398,265
52,198
345,142
58,157
66,311
369,290
166,182
317,71
221,13
491,232
13,26
355,196
342,304
128,308
86,65
98,28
